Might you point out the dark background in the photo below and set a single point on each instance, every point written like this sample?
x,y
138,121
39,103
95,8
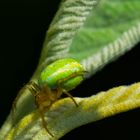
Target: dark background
x,y
22,30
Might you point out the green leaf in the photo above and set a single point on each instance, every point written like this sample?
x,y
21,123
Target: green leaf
x,y
99,33
111,29
63,115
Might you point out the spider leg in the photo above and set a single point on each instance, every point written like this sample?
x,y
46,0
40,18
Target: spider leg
x,y
15,101
32,87
44,123
67,78
44,101
69,95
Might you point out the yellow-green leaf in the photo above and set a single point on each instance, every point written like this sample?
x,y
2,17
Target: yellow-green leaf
x,y
64,116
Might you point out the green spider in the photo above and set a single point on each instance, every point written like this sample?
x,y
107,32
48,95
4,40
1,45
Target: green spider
x,y
57,78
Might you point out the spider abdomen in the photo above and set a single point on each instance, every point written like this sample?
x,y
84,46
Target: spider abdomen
x,y
66,73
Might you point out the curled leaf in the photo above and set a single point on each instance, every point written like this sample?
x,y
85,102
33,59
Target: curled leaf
x,y
100,32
